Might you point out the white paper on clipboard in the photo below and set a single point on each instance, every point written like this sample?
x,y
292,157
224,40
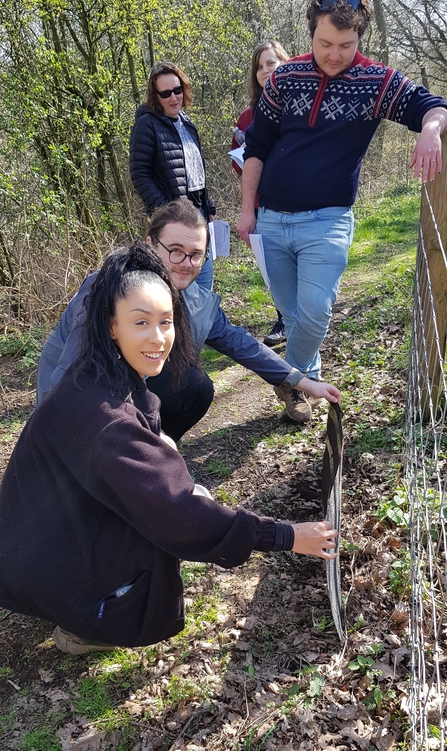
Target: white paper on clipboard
x,y
219,238
237,155
257,247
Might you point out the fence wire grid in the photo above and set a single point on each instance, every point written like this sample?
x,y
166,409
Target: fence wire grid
x,y
426,486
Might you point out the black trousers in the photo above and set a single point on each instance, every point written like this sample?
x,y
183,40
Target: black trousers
x,y
180,410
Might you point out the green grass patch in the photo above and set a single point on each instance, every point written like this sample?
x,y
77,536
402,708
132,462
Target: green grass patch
x,y
181,689
220,468
192,572
222,496
200,615
246,299
42,739
386,227
94,701
7,722
213,362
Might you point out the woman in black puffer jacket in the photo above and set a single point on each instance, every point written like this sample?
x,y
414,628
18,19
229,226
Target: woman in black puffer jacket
x,y
166,160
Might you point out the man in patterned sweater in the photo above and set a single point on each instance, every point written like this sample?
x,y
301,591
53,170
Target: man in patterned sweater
x,y
304,150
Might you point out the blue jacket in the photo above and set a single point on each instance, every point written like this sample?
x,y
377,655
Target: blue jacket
x,y
209,325
312,131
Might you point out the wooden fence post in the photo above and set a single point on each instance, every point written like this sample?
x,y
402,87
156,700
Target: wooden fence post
x,y
437,272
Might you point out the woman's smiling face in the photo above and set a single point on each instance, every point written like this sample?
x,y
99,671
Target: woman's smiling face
x,y
143,327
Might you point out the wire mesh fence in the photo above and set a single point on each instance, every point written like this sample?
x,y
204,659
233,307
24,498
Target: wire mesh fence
x,y
426,480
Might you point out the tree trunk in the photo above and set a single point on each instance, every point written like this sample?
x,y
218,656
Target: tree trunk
x,y
119,185
133,77
381,28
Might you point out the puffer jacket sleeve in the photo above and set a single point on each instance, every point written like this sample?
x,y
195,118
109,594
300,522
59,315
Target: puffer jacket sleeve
x,y
142,156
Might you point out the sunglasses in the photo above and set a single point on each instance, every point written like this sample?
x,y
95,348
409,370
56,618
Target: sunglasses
x,y
177,90
326,4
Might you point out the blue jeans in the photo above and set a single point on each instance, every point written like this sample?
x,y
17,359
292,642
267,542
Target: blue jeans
x,y
305,255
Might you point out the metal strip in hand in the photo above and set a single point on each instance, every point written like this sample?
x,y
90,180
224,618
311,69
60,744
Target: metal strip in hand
x,y
331,497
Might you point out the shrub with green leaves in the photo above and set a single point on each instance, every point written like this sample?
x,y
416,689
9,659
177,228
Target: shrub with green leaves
x,y
395,510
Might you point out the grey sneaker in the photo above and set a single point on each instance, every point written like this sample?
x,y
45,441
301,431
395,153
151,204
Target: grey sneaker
x,y
277,335
298,407
74,645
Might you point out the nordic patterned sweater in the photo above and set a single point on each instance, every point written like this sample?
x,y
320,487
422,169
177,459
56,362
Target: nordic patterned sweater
x,y
312,131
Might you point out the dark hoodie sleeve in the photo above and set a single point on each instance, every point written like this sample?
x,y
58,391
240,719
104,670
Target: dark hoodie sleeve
x,y
147,483
142,158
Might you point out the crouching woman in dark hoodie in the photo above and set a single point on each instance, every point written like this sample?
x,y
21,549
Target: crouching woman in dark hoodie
x,y
96,505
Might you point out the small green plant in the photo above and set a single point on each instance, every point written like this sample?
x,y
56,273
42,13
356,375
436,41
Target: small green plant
x,y
364,662
358,624
434,732
316,683
361,663
324,624
400,574
199,616
27,345
11,426
5,672
180,689
221,495
349,547
249,741
395,510
310,684
374,699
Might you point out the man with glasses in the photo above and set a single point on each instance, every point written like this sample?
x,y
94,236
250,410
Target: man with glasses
x,y
179,233
304,149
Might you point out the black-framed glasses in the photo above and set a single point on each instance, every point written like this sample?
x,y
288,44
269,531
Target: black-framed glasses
x,y
178,256
177,90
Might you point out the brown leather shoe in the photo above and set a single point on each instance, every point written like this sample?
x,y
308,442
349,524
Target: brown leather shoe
x,y
298,407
